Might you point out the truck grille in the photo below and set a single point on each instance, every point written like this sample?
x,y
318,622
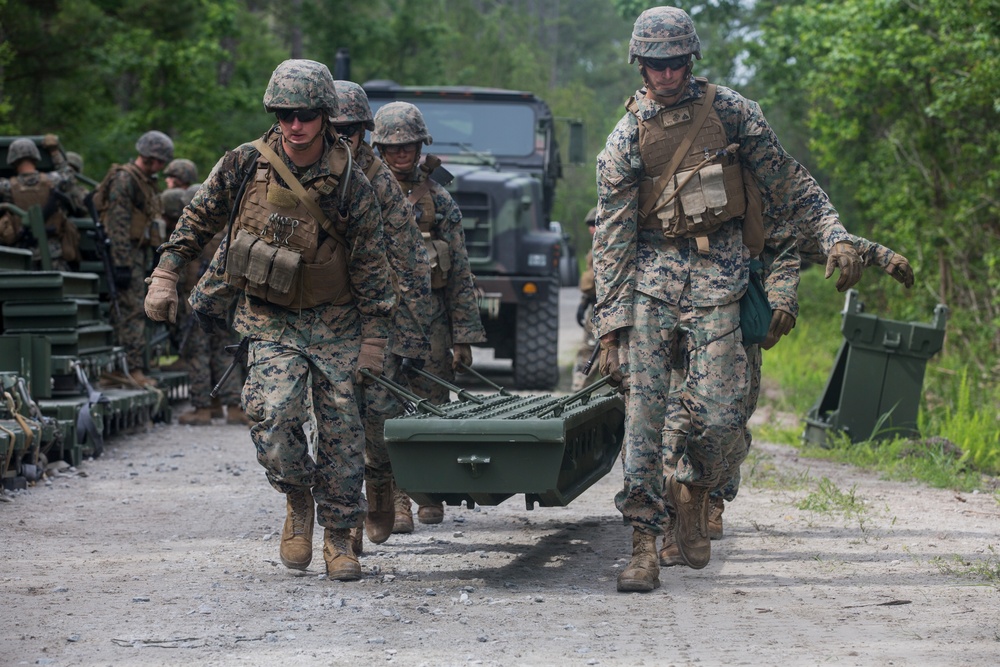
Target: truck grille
x,y
477,223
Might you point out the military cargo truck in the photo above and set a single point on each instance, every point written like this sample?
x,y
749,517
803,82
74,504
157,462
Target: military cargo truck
x,y
500,147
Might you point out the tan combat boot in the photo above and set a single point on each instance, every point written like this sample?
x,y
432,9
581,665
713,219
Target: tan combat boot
x,y
297,534
341,562
716,506
431,514
404,513
691,530
200,417
642,574
235,415
669,554
381,512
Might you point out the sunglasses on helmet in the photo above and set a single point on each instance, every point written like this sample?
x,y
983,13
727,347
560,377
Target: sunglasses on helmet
x,y
304,115
663,64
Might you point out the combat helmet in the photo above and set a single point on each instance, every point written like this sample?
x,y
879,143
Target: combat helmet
x,y
75,160
352,105
174,200
301,84
591,217
182,169
22,148
663,32
156,145
399,123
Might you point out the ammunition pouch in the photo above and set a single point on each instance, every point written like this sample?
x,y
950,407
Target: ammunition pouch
x,y
281,276
440,257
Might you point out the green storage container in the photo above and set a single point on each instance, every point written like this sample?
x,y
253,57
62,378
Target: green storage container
x,y
29,356
877,379
39,316
487,452
14,259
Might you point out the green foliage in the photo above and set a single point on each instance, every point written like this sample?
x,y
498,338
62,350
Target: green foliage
x,y
971,423
932,460
900,99
197,73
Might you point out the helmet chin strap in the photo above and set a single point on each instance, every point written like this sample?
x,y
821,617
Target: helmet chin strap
x,y
666,93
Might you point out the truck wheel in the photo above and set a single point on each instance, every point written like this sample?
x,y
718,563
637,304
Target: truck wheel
x,y
536,345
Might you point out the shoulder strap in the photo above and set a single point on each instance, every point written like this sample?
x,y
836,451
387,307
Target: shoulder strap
x,y
431,162
373,168
646,207
308,201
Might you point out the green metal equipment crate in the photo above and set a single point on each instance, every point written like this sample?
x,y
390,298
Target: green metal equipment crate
x,y
30,357
877,379
37,286
15,259
485,449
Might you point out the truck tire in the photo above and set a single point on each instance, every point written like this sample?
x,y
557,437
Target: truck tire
x,y
536,343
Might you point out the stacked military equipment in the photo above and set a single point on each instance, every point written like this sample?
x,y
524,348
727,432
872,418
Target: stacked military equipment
x,y
56,341
485,449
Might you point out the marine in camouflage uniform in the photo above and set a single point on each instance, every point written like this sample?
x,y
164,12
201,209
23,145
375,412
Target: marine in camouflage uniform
x,y
129,205
455,324
408,345
781,287
52,191
668,288
202,353
307,250
584,315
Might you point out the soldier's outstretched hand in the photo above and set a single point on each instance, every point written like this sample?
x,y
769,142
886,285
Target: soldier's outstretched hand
x,y
899,268
846,258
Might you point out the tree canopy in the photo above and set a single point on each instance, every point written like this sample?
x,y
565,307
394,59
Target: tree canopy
x,y
893,104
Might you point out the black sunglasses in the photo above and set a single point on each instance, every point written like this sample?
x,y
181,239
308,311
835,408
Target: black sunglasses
x,y
350,130
662,64
304,115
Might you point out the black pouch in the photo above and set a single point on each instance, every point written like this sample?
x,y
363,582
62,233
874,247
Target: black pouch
x,y
755,311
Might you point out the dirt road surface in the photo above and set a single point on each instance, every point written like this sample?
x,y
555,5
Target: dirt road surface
x,y
164,551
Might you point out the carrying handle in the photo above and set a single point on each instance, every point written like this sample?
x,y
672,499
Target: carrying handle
x,y
582,395
484,379
408,398
462,394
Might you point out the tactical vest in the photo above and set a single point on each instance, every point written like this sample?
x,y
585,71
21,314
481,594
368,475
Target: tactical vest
x,y
26,194
280,252
147,219
419,194
708,196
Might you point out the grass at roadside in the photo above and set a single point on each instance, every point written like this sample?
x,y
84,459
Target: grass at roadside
x,y
986,569
959,416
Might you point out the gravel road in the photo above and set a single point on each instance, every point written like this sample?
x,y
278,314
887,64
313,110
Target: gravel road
x,y
164,551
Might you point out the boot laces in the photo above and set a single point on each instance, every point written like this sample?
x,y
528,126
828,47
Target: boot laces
x,y
339,541
301,508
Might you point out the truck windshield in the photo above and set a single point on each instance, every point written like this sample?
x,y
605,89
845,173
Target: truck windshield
x,y
497,128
